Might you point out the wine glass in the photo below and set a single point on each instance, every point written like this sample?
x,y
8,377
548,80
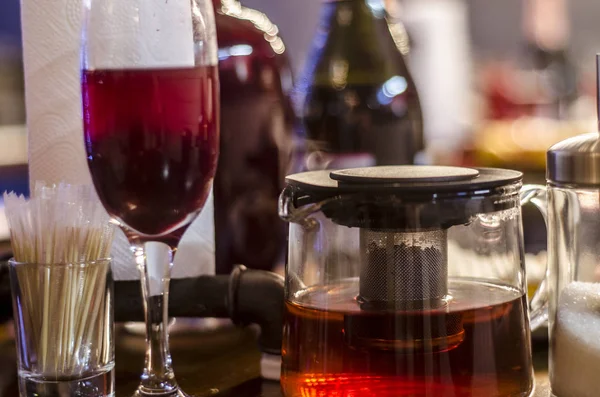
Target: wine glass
x,y
151,127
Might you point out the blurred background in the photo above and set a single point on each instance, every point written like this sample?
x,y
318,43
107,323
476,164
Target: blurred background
x,y
474,53
13,141
499,81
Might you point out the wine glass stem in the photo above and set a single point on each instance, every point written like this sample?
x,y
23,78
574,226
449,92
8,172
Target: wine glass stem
x,y
154,261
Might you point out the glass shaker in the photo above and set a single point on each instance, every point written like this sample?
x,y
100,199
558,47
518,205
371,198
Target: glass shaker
x,y
573,277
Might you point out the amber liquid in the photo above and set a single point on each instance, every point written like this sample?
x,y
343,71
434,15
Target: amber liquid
x,y
475,344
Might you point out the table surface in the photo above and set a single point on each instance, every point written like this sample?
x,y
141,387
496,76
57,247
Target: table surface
x,y
221,362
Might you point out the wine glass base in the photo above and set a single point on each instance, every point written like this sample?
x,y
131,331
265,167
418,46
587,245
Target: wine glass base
x,y
174,393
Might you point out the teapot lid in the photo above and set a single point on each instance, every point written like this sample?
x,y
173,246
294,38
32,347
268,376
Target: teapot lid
x,y
575,161
403,178
404,197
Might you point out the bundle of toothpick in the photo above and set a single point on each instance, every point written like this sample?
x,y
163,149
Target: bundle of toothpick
x,y
61,238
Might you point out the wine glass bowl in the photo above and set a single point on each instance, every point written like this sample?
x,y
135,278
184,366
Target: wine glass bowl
x,y
151,129
152,141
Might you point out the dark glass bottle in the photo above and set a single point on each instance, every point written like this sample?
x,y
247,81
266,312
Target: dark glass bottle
x,y
256,138
357,101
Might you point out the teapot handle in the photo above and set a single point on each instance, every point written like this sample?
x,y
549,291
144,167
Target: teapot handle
x,y
538,305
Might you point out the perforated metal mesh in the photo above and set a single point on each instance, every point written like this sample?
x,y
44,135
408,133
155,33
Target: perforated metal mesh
x,y
403,267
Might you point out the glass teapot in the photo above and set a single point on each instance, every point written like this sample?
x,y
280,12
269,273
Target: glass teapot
x,y
406,280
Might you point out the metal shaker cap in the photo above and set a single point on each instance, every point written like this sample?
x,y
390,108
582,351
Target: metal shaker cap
x,y
575,161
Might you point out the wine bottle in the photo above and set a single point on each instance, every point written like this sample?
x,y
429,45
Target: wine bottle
x,y
256,138
357,101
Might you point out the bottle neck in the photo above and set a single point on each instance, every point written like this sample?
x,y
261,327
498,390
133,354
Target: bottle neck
x,y
341,14
546,24
354,45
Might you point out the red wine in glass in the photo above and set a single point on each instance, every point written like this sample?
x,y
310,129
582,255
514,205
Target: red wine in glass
x,y
152,141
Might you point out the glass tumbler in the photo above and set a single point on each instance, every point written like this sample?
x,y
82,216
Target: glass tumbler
x,y
64,328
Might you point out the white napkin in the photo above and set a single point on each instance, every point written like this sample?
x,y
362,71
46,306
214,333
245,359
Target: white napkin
x,y
163,37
